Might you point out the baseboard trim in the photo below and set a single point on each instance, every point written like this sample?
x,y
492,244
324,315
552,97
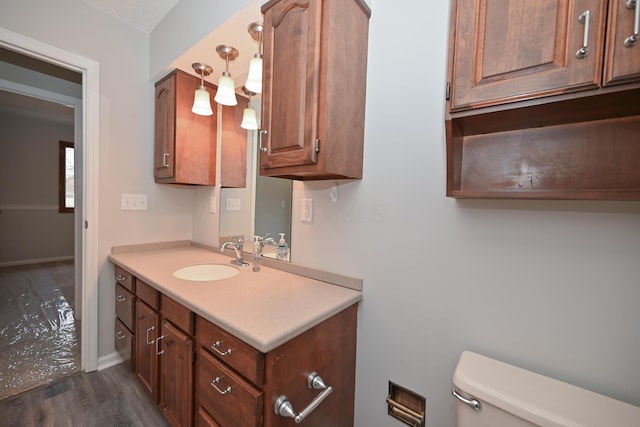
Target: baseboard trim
x,y
109,360
36,261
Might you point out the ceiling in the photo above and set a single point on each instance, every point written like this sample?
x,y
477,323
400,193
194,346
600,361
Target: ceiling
x,y
145,15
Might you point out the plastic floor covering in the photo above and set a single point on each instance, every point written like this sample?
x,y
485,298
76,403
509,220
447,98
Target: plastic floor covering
x,y
39,336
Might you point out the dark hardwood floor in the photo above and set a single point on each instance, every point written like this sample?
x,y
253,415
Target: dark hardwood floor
x,y
111,397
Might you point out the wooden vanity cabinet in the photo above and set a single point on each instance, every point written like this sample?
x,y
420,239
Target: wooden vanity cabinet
x,y
166,353
314,85
526,118
238,386
125,302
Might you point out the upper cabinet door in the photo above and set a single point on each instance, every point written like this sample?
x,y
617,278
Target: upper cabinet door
x,y
509,50
290,98
165,122
623,54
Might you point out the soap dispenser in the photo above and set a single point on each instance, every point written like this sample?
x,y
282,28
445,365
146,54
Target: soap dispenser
x,y
282,250
257,253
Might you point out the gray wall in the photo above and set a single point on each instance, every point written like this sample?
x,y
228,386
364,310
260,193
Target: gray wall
x,y
31,229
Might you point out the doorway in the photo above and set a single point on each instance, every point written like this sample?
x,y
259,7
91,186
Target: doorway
x,y
85,224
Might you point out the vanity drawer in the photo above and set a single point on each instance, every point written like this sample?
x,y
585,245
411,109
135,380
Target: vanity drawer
x,y
148,294
229,399
248,361
177,313
125,278
124,343
125,306
205,420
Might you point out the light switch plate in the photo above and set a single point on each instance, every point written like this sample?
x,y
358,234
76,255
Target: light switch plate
x,y
307,210
213,204
133,202
233,204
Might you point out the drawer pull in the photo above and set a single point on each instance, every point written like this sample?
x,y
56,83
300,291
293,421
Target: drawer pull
x,y
148,330
216,381
121,278
217,344
158,352
120,298
633,38
284,408
585,19
120,335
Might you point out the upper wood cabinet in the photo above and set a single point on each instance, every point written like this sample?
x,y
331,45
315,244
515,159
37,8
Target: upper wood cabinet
x,y
313,101
530,113
506,51
185,143
510,50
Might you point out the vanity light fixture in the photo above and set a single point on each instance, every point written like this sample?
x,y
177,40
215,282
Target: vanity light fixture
x,y
226,94
249,119
254,78
201,100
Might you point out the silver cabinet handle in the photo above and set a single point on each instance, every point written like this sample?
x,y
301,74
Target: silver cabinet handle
x,y
120,298
216,381
148,330
471,402
165,163
585,19
262,132
121,278
284,408
120,335
633,38
215,346
158,352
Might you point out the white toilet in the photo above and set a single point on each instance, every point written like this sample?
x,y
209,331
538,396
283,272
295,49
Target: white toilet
x,y
494,394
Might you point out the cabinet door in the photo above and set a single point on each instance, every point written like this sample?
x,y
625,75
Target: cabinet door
x,y
176,384
623,60
165,113
508,50
147,328
290,97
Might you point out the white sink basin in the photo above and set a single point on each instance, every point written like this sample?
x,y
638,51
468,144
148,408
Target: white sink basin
x,y
206,272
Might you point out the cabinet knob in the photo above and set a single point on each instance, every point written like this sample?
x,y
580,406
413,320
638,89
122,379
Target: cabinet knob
x,y
215,347
214,384
120,298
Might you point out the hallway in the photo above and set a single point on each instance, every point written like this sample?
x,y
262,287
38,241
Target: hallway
x,y
39,336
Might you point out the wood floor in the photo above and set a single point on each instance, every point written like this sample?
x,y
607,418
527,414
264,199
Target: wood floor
x,y
111,397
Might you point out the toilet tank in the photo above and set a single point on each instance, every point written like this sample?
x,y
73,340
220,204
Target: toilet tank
x,y
502,395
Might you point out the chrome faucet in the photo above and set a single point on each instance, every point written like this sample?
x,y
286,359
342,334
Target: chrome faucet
x,y
237,246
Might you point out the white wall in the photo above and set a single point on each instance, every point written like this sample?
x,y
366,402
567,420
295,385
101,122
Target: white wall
x,y
551,286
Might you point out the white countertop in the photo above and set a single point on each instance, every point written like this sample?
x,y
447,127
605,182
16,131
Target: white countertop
x,y
264,309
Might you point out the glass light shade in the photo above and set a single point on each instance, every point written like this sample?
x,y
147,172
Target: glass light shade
x,y
254,78
202,103
249,120
226,91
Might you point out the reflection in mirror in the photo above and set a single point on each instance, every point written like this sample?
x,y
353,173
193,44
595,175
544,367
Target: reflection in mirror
x,y
269,206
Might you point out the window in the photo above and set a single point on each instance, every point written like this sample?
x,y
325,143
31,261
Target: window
x,y
66,181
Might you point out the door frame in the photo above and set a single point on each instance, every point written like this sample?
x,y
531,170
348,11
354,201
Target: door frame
x,y
86,221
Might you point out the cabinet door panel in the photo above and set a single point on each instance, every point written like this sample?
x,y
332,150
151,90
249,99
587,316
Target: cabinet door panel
x,y
623,62
147,329
291,61
508,50
165,112
177,375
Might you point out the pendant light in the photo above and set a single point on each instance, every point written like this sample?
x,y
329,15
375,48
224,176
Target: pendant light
x,y
201,100
226,94
249,119
254,78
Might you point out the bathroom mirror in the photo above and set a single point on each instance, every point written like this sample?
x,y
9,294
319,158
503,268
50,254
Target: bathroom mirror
x,y
265,203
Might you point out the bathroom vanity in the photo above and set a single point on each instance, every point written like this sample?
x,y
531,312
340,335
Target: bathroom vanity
x,y
253,349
